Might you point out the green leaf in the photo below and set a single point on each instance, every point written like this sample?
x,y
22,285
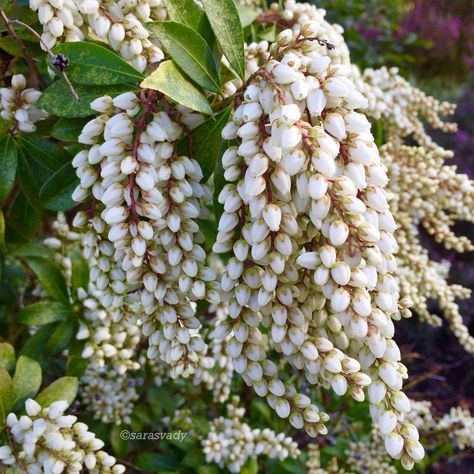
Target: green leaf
x,y
23,221
8,163
34,346
56,193
76,364
68,130
2,229
246,14
6,395
7,356
94,65
64,388
61,336
225,22
26,380
190,14
31,250
80,271
50,277
157,462
207,141
58,100
169,80
38,160
44,312
189,51
250,467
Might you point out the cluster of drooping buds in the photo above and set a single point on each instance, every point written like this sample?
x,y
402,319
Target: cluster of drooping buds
x,y
47,440
109,395
231,442
143,234
457,424
18,105
402,108
295,14
61,20
121,24
307,220
425,191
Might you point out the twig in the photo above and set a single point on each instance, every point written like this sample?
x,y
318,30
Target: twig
x,y
39,80
9,22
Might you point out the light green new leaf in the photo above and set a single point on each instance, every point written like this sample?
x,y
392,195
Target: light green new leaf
x,y
26,380
189,51
58,100
50,277
172,82
64,388
225,22
6,395
207,142
94,65
8,162
7,356
56,193
44,312
247,15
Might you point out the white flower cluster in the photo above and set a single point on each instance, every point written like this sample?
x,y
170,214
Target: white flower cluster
x,y
402,108
109,395
307,220
457,424
231,442
143,234
121,24
18,105
61,20
46,440
110,346
425,191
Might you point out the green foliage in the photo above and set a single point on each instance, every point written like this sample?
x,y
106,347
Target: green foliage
x,y
169,80
8,163
189,51
93,65
64,388
225,22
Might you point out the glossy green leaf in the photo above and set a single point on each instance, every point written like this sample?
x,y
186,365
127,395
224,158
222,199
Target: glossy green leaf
x,y
58,100
34,346
68,130
26,380
7,356
225,22
38,160
44,312
23,221
76,364
94,65
207,141
50,277
61,336
189,51
169,80
64,388
8,163
56,193
190,14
